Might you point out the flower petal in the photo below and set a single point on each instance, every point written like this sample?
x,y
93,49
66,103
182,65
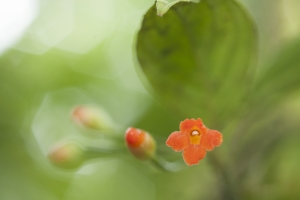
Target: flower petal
x,y
178,141
189,124
211,140
193,154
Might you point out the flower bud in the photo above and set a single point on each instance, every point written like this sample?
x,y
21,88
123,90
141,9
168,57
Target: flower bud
x,y
68,156
92,117
140,143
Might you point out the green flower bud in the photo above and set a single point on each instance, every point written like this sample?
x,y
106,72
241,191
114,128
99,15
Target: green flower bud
x,y
92,118
67,156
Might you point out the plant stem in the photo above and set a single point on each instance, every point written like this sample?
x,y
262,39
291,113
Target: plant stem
x,y
167,166
229,186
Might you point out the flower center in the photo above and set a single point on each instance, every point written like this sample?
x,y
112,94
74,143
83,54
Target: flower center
x,y
195,137
195,133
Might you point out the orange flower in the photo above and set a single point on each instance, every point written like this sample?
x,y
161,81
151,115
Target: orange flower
x,y
194,139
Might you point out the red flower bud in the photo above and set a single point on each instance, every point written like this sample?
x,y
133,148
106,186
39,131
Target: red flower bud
x,y
140,143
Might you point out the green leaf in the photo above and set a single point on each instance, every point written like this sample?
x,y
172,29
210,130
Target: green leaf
x,y
198,57
282,77
275,84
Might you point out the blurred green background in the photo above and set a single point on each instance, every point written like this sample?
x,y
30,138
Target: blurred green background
x,y
59,54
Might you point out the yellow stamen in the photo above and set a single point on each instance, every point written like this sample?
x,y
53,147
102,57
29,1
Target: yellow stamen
x,y
195,137
195,133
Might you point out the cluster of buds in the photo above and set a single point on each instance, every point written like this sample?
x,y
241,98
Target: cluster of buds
x,y
71,156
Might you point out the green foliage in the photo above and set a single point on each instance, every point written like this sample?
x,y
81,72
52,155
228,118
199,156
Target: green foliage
x,y
281,77
198,57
